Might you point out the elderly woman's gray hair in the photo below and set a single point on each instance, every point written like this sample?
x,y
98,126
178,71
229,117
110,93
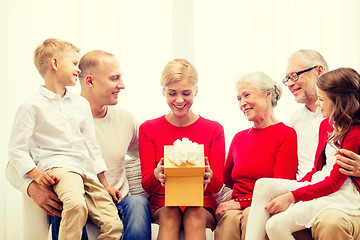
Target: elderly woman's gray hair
x,y
264,83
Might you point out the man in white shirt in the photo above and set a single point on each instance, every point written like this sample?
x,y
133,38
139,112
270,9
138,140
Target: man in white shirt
x,y
116,134
304,68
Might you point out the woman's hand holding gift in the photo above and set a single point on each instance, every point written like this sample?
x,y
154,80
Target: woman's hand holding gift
x,y
208,174
159,172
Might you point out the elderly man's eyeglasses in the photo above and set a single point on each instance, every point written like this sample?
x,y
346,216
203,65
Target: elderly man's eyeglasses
x,y
295,76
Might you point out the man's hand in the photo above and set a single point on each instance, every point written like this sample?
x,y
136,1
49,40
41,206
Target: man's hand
x,y
349,165
45,198
280,203
224,206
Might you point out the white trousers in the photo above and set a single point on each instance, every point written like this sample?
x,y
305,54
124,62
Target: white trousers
x,y
265,190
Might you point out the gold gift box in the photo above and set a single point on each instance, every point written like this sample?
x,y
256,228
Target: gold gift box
x,y
184,184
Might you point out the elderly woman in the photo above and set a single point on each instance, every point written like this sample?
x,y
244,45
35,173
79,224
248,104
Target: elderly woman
x,y
179,85
268,149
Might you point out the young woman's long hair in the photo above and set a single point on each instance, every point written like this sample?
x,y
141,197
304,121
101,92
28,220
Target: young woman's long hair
x,y
342,86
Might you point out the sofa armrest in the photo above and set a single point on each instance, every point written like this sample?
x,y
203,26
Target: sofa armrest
x,y
36,221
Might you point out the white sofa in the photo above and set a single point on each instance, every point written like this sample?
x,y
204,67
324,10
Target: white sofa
x,y
37,225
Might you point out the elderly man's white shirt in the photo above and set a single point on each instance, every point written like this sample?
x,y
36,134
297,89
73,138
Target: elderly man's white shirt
x,y
306,125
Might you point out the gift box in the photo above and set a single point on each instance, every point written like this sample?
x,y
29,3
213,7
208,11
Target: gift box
x,y
184,183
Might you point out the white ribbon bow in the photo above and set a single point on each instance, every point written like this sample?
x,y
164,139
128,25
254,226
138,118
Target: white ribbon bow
x,y
185,151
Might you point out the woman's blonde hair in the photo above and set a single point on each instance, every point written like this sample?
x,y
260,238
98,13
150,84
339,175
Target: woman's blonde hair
x,y
177,70
264,83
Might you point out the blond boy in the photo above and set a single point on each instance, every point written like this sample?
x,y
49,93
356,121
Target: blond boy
x,y
53,143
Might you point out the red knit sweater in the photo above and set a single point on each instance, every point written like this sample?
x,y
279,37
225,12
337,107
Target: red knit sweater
x,y
257,153
154,134
335,180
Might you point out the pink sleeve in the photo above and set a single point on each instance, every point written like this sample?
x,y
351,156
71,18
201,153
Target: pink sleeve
x,y
147,159
335,180
216,159
286,157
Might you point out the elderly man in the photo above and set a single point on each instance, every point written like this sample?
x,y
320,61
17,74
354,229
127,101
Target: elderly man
x,y
117,135
304,68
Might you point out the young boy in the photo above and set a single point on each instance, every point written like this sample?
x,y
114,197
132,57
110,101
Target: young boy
x,y
53,143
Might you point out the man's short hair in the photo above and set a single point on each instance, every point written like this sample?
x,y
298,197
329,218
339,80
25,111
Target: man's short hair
x,y
90,61
313,58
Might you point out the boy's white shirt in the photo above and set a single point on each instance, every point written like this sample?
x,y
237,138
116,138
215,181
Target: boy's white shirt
x,y
117,135
50,131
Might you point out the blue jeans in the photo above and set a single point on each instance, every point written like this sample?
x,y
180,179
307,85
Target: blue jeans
x,y
135,213
55,225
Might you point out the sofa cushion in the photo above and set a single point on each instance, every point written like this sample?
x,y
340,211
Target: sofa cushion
x,y
133,174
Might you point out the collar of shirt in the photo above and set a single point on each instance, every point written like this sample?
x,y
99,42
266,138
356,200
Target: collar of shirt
x,y
315,114
54,96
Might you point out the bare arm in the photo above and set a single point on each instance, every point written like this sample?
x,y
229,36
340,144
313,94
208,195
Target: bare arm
x,y
114,193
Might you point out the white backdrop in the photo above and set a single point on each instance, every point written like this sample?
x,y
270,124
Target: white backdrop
x,y
222,38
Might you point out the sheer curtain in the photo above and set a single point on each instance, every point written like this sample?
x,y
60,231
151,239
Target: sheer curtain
x,y
234,37
138,32
221,38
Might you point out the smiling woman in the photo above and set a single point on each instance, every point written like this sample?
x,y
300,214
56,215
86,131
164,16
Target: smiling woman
x,y
179,84
257,96
269,148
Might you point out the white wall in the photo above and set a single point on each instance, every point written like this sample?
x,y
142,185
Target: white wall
x,y
222,38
